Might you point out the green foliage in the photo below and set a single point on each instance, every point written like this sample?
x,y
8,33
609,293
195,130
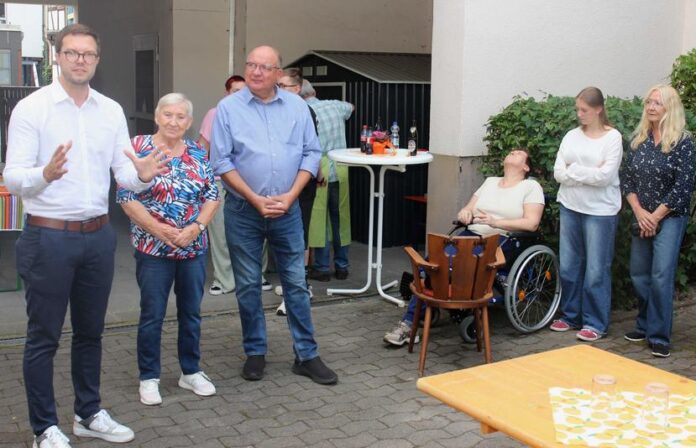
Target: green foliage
x,y
539,125
684,79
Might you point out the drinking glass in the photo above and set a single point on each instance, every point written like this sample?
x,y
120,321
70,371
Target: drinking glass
x,y
655,405
603,391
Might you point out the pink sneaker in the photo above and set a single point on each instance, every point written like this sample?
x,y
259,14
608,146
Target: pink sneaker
x,y
559,325
588,335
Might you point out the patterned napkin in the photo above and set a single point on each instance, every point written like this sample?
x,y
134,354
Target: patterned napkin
x,y
579,422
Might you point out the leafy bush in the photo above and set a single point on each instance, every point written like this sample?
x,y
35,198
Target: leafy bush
x,y
684,79
540,125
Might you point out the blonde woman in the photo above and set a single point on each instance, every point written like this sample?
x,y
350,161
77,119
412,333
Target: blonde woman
x,y
587,167
657,180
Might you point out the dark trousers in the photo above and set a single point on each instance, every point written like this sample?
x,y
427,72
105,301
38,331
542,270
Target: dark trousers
x,y
61,268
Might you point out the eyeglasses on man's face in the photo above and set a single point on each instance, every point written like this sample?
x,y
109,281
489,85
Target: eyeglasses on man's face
x,y
89,57
286,86
265,68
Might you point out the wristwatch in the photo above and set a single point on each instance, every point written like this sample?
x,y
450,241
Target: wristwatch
x,y
201,226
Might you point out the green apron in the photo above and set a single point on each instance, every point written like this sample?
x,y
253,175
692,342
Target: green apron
x,y
320,213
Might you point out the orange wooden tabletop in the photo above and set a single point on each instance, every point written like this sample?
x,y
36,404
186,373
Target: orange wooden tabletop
x,y
512,396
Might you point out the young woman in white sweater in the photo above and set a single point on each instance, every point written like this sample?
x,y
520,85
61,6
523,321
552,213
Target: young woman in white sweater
x,y
587,167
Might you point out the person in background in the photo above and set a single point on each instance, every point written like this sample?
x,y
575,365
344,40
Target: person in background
x,y
512,203
587,167
223,277
330,219
266,150
62,141
291,81
657,180
168,223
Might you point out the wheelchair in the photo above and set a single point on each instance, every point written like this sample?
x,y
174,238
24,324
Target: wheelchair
x,y
528,286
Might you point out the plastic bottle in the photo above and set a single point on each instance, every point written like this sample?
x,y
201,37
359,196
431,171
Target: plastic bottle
x,y
413,139
363,138
395,135
368,142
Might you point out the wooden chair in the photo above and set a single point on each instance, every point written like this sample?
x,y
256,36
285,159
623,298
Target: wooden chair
x,y
461,270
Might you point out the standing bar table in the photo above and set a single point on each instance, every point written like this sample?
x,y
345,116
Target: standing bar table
x,y
386,162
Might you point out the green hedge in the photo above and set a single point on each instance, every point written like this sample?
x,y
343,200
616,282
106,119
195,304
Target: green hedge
x,y
540,126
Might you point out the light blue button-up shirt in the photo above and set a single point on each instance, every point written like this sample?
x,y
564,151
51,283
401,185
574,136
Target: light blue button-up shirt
x,y
267,143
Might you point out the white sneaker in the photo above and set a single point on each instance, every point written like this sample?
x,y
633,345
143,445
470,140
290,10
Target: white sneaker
x,y
52,437
197,382
280,311
400,335
265,284
149,392
278,290
102,426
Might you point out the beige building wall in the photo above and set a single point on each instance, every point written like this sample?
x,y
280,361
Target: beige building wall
x,y
295,27
689,26
486,52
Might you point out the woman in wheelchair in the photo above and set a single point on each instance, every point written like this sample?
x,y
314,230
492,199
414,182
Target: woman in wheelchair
x,y
511,203
587,167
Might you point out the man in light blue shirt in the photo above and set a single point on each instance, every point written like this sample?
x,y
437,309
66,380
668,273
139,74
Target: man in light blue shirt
x,y
265,149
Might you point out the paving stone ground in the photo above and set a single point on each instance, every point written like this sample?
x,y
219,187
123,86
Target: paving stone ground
x,y
375,404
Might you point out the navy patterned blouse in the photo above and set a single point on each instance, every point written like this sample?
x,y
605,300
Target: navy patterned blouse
x,y
658,178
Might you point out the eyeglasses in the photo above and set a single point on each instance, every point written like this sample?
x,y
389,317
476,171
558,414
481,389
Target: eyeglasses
x,y
285,86
89,57
266,68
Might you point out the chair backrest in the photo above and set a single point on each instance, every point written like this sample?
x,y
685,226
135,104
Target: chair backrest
x,y
465,271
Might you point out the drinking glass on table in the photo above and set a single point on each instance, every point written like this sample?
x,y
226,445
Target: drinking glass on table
x,y
655,405
603,391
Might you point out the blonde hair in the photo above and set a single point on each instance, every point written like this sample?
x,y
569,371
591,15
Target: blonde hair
x,y
672,125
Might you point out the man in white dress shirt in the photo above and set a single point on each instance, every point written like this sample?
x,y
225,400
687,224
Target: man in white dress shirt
x,y
62,140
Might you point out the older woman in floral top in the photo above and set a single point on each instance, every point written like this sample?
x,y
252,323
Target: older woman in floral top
x,y
657,180
168,231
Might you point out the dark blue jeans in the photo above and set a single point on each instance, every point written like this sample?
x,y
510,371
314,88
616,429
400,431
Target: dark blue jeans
x,y
340,248
586,249
653,269
155,278
246,231
61,268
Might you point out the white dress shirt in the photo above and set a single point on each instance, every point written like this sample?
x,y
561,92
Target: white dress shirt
x,y
48,118
588,171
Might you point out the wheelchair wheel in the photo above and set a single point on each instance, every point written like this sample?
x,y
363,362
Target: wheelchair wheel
x,y
467,329
533,289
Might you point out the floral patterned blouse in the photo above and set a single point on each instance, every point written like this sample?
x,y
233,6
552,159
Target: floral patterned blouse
x,y
659,178
175,198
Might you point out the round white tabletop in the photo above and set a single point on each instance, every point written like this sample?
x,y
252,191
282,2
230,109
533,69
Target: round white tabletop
x,y
353,156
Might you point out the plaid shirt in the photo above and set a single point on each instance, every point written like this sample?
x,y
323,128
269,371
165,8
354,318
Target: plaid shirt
x,y
331,118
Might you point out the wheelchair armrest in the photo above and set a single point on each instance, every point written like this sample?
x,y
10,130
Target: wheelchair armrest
x,y
524,235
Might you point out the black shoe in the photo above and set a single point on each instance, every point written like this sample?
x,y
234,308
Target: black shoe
x,y
253,367
634,336
660,350
319,276
341,274
316,370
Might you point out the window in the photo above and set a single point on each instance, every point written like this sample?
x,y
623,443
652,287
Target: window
x,y
5,68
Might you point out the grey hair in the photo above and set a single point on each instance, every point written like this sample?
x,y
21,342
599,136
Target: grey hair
x,y
175,98
307,89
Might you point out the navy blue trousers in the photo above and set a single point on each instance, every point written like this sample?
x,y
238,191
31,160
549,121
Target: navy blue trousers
x,y
61,268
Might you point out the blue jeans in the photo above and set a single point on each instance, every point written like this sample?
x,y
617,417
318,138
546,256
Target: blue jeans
x,y
586,249
155,277
321,254
62,269
653,269
246,230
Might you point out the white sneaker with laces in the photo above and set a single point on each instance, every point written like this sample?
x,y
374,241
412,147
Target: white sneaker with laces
x,y
149,392
102,426
52,437
400,335
280,311
197,382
